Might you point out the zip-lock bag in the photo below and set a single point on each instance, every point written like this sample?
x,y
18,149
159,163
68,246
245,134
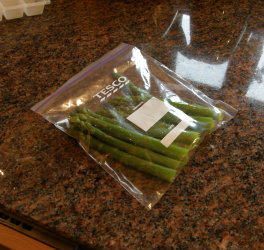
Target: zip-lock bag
x,y
136,118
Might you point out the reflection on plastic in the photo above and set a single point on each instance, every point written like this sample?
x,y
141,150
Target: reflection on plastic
x,y
186,27
261,61
172,22
72,103
256,88
68,104
79,102
141,64
199,49
194,70
256,91
1,172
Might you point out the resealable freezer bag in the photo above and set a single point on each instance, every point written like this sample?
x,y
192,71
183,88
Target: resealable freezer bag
x,y
136,118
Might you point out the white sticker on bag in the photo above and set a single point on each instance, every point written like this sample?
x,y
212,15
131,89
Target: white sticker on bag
x,y
174,133
152,111
149,113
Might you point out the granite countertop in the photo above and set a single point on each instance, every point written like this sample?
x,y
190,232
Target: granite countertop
x,y
217,200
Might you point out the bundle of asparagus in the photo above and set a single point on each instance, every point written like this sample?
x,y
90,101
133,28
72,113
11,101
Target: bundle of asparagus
x,y
125,143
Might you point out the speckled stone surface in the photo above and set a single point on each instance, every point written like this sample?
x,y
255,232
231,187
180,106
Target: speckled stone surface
x,y
217,202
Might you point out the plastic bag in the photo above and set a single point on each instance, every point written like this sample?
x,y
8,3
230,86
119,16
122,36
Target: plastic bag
x,y
136,118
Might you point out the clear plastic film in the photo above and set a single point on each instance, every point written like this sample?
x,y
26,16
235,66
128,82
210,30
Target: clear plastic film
x,y
197,47
251,91
136,118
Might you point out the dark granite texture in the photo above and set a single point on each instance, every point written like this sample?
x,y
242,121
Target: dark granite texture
x,y
217,200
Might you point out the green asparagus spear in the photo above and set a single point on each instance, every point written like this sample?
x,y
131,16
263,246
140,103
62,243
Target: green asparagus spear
x,y
190,109
121,104
122,100
187,139
120,121
202,123
105,118
143,153
207,122
172,151
148,167
105,113
197,110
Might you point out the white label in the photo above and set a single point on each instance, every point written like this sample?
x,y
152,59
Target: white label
x,y
174,133
149,113
152,111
